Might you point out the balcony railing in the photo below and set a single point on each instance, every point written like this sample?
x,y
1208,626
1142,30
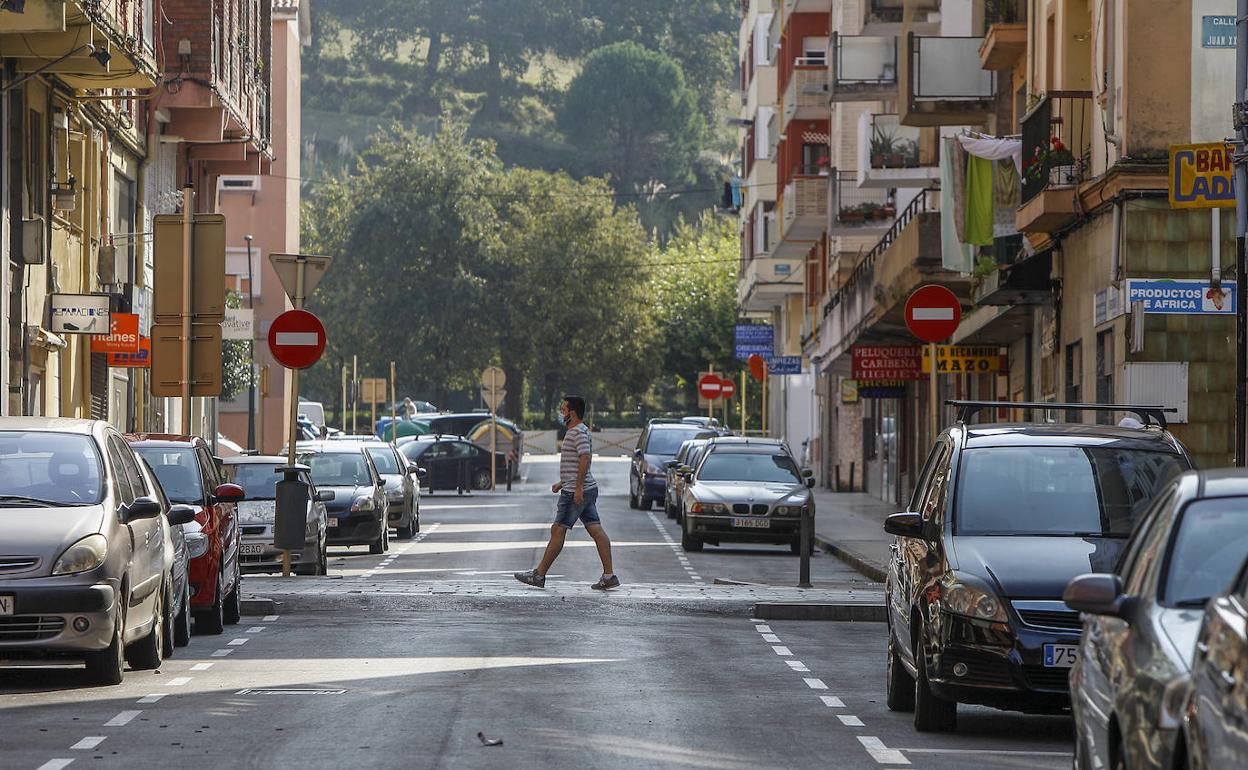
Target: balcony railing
x,y
806,199
893,145
1057,142
773,136
947,69
892,11
1004,12
927,200
864,67
1005,34
854,209
807,90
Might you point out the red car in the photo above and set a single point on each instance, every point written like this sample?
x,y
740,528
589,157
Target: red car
x,y
188,473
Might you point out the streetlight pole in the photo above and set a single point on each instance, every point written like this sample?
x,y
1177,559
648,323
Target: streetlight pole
x,y
251,376
1241,231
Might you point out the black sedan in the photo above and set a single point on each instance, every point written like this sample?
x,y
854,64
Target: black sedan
x,y
359,510
453,462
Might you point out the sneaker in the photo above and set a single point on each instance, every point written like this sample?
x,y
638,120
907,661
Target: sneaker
x,y
537,581
605,583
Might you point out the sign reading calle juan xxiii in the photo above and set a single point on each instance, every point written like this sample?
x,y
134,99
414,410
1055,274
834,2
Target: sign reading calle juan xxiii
x,y
1217,32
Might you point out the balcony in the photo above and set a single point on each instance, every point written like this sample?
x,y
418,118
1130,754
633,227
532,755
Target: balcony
x,y
893,11
1005,34
806,96
1057,147
58,33
858,211
943,83
864,68
804,208
767,281
804,6
773,136
893,155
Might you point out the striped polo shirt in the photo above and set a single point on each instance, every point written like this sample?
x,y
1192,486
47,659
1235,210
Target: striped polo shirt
x,y
578,442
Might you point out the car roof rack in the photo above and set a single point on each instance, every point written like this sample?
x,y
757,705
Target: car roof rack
x,y
1147,414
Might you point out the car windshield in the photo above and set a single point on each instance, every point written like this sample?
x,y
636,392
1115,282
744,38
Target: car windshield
x,y
177,471
383,458
44,469
668,441
1059,491
338,469
1208,550
258,480
765,468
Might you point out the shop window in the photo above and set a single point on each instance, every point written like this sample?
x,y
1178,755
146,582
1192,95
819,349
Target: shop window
x,y
1105,375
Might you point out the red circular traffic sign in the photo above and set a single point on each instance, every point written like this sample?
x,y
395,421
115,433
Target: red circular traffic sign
x,y
710,386
727,388
297,339
933,313
758,367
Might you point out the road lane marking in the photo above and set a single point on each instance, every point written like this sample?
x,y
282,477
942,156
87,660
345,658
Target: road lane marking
x,y
202,666
814,684
881,753
989,751
178,681
831,701
237,642
771,638
763,629
781,650
86,744
849,720
56,764
154,698
122,719
797,665
270,618
221,653
255,629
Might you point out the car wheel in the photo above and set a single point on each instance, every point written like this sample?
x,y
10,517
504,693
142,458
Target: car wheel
x,y
379,545
416,521
106,666
182,625
404,533
633,501
931,714
899,685
688,541
233,610
324,559
148,653
646,503
669,510
212,620
167,637
481,480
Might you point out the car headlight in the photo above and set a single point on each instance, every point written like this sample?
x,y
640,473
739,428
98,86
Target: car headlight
x,y
962,597
86,554
363,504
196,545
709,508
789,510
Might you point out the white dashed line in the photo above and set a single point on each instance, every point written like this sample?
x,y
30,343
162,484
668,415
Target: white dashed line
x,y
122,719
849,720
270,618
781,650
154,698
990,751
763,629
814,684
881,753
255,629
797,665
178,681
86,744
202,666
237,642
221,653
832,701
56,764
771,638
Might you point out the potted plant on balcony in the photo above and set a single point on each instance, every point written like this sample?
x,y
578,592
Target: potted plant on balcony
x,y
1061,163
852,214
883,146
871,211
909,150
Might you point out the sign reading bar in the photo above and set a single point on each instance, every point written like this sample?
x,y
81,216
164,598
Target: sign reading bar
x,y
138,359
1200,176
123,337
755,338
951,359
887,362
1179,297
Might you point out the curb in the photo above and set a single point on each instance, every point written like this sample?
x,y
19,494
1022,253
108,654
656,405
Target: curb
x,y
259,607
861,564
860,613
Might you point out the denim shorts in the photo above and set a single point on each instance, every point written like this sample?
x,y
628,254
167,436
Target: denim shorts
x,y
567,512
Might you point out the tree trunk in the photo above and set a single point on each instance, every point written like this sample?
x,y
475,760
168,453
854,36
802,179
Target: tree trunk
x,y
434,58
491,106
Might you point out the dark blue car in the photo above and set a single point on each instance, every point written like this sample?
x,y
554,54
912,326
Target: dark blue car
x,y
659,442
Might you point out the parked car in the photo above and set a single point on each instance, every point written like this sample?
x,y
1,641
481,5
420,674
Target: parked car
x,y
257,516
402,486
745,491
88,565
1217,706
1002,518
181,546
710,423
687,455
452,463
358,512
658,443
188,473
1140,623
471,425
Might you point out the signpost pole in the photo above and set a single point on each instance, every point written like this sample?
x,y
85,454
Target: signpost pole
x,y
766,376
1241,231
932,392
710,402
743,402
355,391
251,378
188,228
373,399
343,416
394,407
294,401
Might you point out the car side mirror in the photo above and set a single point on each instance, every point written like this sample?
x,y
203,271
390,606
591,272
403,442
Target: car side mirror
x,y
181,514
670,464
810,483
687,475
908,524
413,468
422,474
807,473
324,496
1098,594
228,493
142,508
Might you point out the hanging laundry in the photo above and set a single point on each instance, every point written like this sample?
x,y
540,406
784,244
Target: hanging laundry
x,y
979,184
959,190
954,255
1006,197
993,148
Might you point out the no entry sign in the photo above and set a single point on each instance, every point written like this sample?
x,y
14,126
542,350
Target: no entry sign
x,y
297,339
727,388
933,313
710,386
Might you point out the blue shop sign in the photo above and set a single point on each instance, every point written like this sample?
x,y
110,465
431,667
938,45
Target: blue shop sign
x,y
785,365
754,339
1185,297
1217,32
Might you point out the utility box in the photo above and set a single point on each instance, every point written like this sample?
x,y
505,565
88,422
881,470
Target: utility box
x,y
1160,384
291,523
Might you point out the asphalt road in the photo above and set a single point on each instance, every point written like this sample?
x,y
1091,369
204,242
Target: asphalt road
x,y
399,661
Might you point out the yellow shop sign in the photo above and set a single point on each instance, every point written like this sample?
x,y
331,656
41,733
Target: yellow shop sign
x,y
957,359
1201,176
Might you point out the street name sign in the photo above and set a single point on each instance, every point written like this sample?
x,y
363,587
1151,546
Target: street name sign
x,y
297,339
933,313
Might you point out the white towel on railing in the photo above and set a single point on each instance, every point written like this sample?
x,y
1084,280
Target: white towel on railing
x,y
993,148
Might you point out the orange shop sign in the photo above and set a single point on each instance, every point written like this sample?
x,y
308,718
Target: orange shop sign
x,y
123,336
138,359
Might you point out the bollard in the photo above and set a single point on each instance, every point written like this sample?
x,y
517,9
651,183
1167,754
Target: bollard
x,y
805,543
509,474
851,476
838,477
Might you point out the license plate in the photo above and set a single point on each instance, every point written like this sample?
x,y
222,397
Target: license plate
x,y
752,523
252,550
6,605
331,522
1060,655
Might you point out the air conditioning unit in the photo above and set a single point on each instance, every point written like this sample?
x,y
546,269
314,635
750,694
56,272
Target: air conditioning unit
x,y
239,184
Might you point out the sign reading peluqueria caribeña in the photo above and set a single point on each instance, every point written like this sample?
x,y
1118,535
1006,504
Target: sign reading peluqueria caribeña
x,y
1177,296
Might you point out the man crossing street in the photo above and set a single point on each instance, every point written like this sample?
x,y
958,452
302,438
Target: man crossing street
x,y
578,497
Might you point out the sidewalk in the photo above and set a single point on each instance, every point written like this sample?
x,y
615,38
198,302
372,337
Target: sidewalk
x,y
850,526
